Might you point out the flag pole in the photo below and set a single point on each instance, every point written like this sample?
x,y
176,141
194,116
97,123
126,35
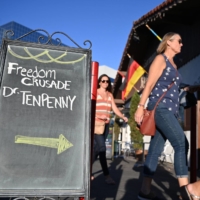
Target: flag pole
x,y
153,32
135,89
128,55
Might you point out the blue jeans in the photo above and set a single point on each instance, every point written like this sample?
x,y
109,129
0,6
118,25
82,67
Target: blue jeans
x,y
167,127
100,149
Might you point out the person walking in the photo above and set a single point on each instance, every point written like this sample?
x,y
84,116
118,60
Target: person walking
x,y
104,104
162,73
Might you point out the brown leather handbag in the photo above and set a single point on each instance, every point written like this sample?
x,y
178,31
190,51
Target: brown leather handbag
x,y
148,125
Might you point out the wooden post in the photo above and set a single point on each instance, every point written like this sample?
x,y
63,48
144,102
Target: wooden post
x,y
198,129
198,133
113,140
193,141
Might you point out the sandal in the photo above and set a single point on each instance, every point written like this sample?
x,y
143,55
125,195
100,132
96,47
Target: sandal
x,y
110,181
191,196
149,196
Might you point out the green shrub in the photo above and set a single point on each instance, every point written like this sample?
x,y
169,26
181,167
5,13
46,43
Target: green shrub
x,y
136,136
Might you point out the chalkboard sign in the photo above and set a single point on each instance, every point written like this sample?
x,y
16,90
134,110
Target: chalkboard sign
x,y
44,120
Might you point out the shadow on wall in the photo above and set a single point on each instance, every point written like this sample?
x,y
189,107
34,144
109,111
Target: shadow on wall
x,y
198,81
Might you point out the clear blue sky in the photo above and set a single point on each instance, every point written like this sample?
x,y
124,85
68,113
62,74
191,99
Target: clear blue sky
x,y
106,23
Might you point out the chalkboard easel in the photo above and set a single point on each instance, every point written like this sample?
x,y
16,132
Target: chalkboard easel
x,y
44,120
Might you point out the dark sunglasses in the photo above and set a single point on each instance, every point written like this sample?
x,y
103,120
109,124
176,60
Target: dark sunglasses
x,y
103,81
180,41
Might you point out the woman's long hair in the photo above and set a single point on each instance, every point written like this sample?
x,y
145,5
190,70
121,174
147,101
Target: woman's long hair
x,y
163,44
109,88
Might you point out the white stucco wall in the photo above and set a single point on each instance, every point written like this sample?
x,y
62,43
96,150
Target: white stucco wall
x,y
103,69
168,151
126,137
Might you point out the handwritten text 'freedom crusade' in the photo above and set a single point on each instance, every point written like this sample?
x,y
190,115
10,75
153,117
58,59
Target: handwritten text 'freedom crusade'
x,y
38,78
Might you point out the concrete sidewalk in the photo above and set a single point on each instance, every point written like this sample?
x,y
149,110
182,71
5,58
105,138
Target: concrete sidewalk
x,y
127,174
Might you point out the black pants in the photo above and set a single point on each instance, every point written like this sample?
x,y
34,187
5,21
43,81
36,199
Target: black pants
x,y
100,149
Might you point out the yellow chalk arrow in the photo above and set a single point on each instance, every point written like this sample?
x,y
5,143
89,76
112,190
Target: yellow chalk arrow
x,y
61,143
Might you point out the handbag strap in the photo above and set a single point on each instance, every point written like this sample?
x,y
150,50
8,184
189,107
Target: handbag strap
x,y
163,94
166,91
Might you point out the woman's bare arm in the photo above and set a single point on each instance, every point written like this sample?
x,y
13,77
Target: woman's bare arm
x,y
116,110
155,72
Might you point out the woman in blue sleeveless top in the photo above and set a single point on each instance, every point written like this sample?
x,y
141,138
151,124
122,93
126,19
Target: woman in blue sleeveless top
x,y
163,71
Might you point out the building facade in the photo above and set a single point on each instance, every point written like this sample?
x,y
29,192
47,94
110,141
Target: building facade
x,y
180,16
20,30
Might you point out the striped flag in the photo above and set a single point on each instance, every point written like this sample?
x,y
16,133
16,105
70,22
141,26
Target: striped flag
x,y
138,87
134,72
137,72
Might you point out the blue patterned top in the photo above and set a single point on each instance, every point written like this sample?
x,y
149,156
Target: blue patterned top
x,y
171,98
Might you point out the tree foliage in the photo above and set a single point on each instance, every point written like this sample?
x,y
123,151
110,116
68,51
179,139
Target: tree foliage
x,y
136,136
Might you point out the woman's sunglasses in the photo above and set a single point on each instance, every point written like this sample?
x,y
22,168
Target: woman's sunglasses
x,y
105,81
180,41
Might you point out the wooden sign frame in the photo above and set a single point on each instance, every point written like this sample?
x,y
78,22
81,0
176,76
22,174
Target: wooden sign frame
x,y
57,104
